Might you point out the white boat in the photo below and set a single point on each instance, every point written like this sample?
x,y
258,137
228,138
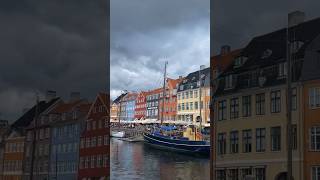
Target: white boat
x,y
118,134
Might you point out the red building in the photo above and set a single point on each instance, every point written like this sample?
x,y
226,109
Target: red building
x,y
141,106
170,102
94,142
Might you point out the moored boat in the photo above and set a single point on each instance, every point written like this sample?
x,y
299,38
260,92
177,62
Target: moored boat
x,y
118,134
177,144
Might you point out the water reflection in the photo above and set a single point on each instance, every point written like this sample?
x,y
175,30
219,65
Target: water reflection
x,y
139,161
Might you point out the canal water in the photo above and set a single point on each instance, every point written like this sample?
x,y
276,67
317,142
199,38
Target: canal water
x,y
137,161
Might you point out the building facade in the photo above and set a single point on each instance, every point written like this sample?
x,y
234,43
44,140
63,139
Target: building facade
x,y
188,97
141,106
94,142
153,103
37,144
67,122
130,104
13,156
170,102
251,109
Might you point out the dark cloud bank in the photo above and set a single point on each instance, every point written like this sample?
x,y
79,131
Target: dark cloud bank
x,y
56,45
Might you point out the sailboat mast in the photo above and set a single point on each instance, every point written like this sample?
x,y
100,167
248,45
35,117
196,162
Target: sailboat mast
x,y
164,89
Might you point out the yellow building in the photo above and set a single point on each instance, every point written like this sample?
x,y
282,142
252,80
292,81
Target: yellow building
x,y
250,120
188,98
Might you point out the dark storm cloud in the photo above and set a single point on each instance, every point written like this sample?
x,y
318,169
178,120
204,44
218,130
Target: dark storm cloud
x,y
145,33
57,45
236,22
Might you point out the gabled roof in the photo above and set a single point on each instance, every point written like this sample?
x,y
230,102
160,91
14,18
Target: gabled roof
x,y
28,117
191,81
117,100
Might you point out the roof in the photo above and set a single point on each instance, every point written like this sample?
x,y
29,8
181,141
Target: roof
x,y
172,83
222,62
191,80
28,117
311,65
264,53
117,100
66,107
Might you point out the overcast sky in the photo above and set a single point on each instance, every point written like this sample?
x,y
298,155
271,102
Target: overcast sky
x,y
56,45
145,33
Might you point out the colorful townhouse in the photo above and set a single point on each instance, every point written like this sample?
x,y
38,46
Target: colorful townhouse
x,y
141,106
118,108
311,110
251,108
37,144
189,100
170,102
66,122
94,141
13,156
130,104
152,99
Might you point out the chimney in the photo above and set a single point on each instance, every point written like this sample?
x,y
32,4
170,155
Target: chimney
x,y
50,95
225,49
74,96
295,18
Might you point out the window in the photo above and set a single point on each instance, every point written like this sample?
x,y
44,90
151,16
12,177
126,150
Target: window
x,y
195,93
234,108
191,94
314,97
275,101
222,143
260,173
228,82
179,96
87,142
93,161
246,172
94,125
105,160
182,94
106,140
182,106
86,165
315,171
187,94
179,107
88,125
315,138
282,70
99,140
275,134
234,142
294,137
246,106
233,174
191,105
294,99
221,175
246,140
260,104
187,106
222,110
196,105
260,139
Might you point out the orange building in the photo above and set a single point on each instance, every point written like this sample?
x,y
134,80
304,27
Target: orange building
x,y
170,103
13,156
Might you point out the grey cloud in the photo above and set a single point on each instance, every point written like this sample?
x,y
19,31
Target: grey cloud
x,y
57,45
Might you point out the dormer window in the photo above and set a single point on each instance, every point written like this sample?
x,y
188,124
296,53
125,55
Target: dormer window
x,y
295,46
229,81
239,61
267,53
282,70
